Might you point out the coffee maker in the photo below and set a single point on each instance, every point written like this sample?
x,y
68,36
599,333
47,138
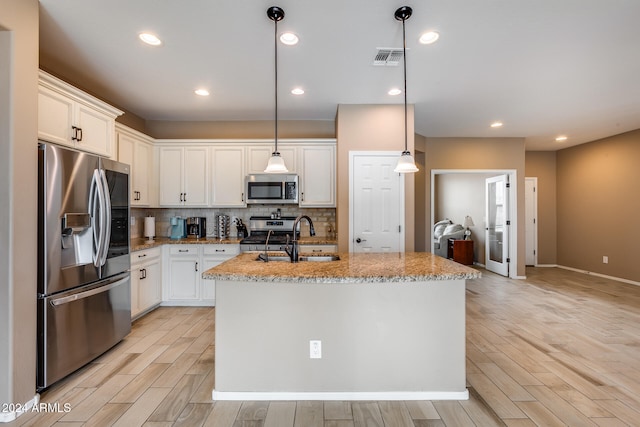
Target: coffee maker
x,y
196,227
178,228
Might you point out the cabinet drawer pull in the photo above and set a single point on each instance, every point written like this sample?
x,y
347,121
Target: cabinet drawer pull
x,y
142,256
221,250
183,250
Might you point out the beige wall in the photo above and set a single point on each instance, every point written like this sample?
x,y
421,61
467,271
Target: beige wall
x,y
241,129
421,225
371,128
598,205
18,204
542,165
481,154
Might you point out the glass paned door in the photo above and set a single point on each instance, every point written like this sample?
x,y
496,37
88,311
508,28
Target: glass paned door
x,y
497,230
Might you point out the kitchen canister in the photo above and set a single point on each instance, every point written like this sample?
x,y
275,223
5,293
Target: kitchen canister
x,y
223,223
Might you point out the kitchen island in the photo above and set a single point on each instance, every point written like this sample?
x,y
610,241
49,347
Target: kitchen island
x,y
390,326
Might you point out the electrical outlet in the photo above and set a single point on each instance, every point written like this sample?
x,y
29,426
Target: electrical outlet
x,y
315,349
605,259
133,220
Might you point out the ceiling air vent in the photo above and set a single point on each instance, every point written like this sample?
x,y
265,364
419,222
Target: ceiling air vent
x,y
388,56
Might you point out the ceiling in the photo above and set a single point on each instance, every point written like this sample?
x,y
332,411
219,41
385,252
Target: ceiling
x,y
544,68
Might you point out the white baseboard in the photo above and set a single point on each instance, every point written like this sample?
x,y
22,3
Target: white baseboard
x,y
391,395
18,409
604,276
546,265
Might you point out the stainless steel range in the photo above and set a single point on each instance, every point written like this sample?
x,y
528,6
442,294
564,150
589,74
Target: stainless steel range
x,y
276,229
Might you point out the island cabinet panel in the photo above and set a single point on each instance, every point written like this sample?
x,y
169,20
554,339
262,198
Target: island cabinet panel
x,y
381,341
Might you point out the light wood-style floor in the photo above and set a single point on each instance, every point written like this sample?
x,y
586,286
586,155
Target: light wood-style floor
x,y
560,348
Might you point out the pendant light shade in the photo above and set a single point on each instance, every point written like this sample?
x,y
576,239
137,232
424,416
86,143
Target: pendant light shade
x,y
406,163
276,163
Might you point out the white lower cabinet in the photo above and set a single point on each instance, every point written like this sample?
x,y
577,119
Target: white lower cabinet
x,y
146,281
318,249
214,255
185,263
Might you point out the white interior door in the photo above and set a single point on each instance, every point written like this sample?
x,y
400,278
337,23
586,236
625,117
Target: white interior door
x,y
497,225
531,220
377,203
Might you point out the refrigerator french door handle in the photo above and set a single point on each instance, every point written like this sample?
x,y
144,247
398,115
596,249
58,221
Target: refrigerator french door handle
x,y
106,231
94,211
86,294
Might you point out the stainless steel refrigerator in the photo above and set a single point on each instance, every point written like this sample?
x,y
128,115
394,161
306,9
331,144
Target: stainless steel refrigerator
x,y
84,296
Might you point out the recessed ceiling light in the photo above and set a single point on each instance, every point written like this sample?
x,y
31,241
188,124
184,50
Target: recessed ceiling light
x,y
429,37
561,138
395,91
289,38
297,91
496,124
201,92
151,39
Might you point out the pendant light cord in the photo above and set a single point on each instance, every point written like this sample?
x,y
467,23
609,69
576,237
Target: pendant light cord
x,y
404,57
275,40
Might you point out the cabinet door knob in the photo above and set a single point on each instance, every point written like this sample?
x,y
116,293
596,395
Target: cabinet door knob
x,y
359,240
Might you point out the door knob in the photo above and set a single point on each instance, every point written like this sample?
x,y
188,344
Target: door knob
x,y
359,240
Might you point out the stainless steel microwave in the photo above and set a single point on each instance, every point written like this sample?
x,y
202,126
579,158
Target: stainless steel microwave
x,y
272,188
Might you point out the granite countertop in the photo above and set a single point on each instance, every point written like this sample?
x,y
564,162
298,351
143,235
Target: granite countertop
x,y
351,268
141,243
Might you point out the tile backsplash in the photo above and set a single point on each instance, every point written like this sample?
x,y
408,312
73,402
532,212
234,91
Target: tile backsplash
x,y
324,219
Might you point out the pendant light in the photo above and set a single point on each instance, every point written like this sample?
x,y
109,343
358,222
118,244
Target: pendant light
x,y
405,164
276,163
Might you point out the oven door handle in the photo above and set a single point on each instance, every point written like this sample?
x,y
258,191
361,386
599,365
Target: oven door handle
x,y
87,294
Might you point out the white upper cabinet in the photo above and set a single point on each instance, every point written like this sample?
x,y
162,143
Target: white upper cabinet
x,y
227,176
317,164
258,156
136,149
184,176
70,117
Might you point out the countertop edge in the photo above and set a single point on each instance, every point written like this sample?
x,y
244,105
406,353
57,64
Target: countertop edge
x,y
331,279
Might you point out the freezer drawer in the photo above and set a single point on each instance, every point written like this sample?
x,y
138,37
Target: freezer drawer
x,y
76,327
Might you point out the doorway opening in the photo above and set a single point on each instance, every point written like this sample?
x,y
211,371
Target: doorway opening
x,y
458,193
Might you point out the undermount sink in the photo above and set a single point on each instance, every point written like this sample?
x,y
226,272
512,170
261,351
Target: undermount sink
x,y
313,258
